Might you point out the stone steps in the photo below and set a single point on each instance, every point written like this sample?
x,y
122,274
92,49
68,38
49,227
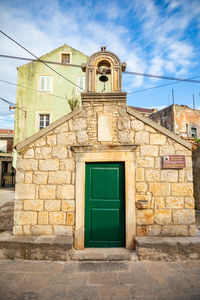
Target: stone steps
x,y
168,248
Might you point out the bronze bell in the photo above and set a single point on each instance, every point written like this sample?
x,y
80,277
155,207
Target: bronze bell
x,y
103,77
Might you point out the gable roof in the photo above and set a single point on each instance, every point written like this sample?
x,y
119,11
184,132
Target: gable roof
x,y
130,111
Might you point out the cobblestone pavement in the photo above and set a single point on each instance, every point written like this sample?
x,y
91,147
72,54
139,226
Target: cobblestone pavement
x,y
32,280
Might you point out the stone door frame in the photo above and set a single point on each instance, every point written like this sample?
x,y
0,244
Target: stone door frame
x,y
84,154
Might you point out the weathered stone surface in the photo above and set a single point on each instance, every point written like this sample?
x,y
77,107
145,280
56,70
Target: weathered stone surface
x,y
43,152
145,217
18,205
56,218
174,202
141,231
68,205
40,177
148,150
145,162
70,164
27,230
66,138
142,137
139,174
157,139
24,191
52,205
189,202
159,189
182,189
82,137
189,175
40,142
169,175
153,230
61,230
175,230
149,128
49,165
25,217
59,177
152,175
28,177
27,164
163,216
167,150
137,125
79,124
70,218
125,136
35,205
19,177
159,202
29,153
43,218
51,140
141,187
65,192
47,191
184,216
59,152
123,123
41,230
17,230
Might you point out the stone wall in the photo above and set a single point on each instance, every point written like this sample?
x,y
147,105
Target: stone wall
x,y
45,202
196,175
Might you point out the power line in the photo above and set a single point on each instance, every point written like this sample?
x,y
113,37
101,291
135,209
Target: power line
x,y
25,87
36,60
13,104
8,102
40,59
162,77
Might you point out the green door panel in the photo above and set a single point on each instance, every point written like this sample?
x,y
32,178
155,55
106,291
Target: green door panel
x,y
104,205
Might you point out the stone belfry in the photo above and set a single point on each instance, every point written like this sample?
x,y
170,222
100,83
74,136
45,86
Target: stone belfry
x,y
107,64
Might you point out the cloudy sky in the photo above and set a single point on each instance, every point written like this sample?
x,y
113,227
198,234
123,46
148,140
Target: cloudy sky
x,y
157,37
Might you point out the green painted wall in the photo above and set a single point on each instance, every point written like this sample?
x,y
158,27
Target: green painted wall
x,y
34,101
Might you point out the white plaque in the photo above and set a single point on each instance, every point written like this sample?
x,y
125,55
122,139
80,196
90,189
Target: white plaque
x,y
105,127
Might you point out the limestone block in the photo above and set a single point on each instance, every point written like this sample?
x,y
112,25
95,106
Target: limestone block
x,y
80,124
47,191
24,191
139,174
18,205
123,123
157,139
189,175
167,150
141,230
59,152
51,140
137,125
181,177
152,175
29,153
56,218
184,216
70,164
175,230
43,218
64,127
174,202
17,230
141,187
70,218
28,177
158,163
68,205
19,177
169,175
42,230
52,205
40,142
189,202
40,177
27,230
25,217
159,189
163,216
159,202
82,137
182,189
27,164
35,205
66,138
143,197
145,162
59,177
48,165
148,150
150,129
145,217
192,230
65,192
60,230
122,111
43,152
124,136
71,125
142,137
153,230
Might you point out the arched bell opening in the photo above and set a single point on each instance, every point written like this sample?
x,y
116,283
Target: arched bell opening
x,y
103,77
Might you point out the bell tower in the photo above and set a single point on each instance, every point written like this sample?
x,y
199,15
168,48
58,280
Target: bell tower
x,y
103,72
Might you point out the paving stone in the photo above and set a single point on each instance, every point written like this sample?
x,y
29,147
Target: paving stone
x,y
114,290
102,266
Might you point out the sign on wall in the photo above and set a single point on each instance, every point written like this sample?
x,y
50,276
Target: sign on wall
x,y
173,162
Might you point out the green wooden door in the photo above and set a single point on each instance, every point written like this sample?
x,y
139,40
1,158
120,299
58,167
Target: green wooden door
x,y
104,205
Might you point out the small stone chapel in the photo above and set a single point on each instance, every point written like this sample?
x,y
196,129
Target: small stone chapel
x,y
104,174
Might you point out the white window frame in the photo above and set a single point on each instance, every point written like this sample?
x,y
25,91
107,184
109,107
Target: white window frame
x,y
78,90
45,89
38,113
189,129
66,52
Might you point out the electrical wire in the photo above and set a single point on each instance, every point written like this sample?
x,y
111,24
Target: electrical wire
x,y
25,87
8,102
40,59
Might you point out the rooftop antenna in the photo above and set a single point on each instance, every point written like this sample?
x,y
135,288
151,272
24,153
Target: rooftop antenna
x,y
173,96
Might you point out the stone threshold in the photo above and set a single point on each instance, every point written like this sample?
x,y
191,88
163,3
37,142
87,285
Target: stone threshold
x,y
168,248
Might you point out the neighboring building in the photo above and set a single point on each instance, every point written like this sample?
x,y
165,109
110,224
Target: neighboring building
x,y
7,173
145,111
38,105
180,119
196,174
96,174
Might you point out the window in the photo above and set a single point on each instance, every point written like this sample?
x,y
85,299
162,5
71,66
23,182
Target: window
x,y
65,58
80,81
45,83
3,145
44,120
193,131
